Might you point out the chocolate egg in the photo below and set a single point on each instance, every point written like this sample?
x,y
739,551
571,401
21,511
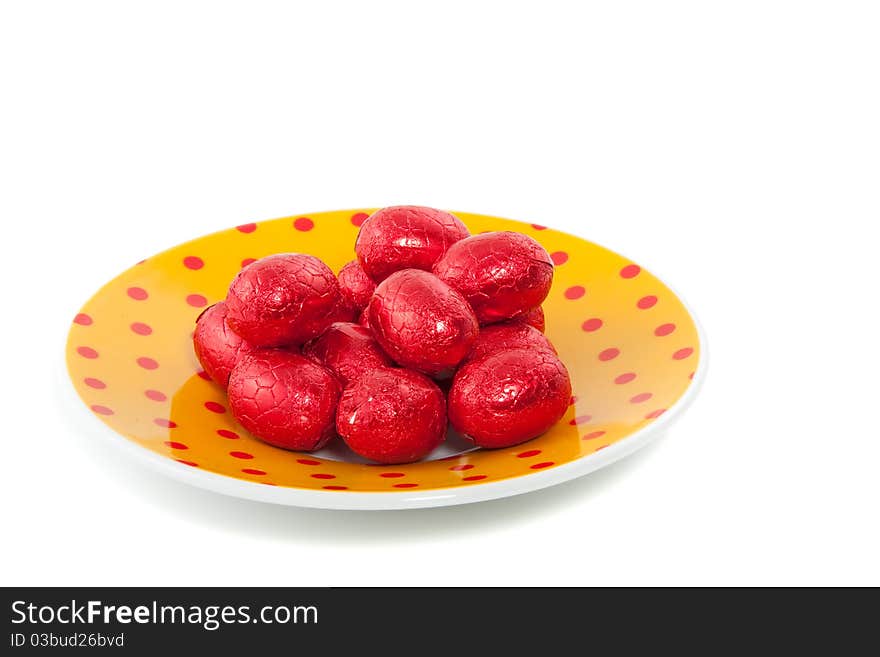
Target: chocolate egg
x,y
364,319
342,311
421,322
284,399
533,317
506,336
355,286
348,350
405,237
283,299
500,274
392,416
509,397
217,347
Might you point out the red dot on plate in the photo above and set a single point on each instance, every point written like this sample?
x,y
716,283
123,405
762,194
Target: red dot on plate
x,y
167,424
247,261
155,395
303,224
193,262
202,374
335,487
137,293
196,300
681,354
593,435
405,485
358,218
246,228
543,464
626,377
531,452
253,471
664,329
559,257
609,354
575,292
147,363
97,384
214,407
647,302
189,463
102,410
241,455
655,414
141,329
82,319
308,462
539,227
175,445
691,376
474,478
641,397
226,433
323,475
581,419
87,352
592,324
392,475
459,468
630,271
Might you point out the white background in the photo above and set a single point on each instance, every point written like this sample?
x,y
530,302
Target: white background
x,y
733,147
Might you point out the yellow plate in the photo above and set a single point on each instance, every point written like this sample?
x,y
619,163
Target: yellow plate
x,y
632,347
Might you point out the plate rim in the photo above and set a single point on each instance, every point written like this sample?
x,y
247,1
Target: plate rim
x,y
404,499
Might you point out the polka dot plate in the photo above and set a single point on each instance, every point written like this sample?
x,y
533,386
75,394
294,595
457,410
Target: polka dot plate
x,y
631,345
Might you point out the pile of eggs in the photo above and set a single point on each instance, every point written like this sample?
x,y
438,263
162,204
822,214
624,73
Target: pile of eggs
x,y
430,325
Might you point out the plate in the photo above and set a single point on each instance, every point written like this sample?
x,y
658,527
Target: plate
x,y
634,351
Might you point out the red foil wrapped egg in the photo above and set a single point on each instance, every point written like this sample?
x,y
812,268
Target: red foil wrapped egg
x,y
507,336
392,416
364,319
355,286
533,317
217,346
283,299
348,350
405,237
509,397
284,399
421,322
341,312
501,274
